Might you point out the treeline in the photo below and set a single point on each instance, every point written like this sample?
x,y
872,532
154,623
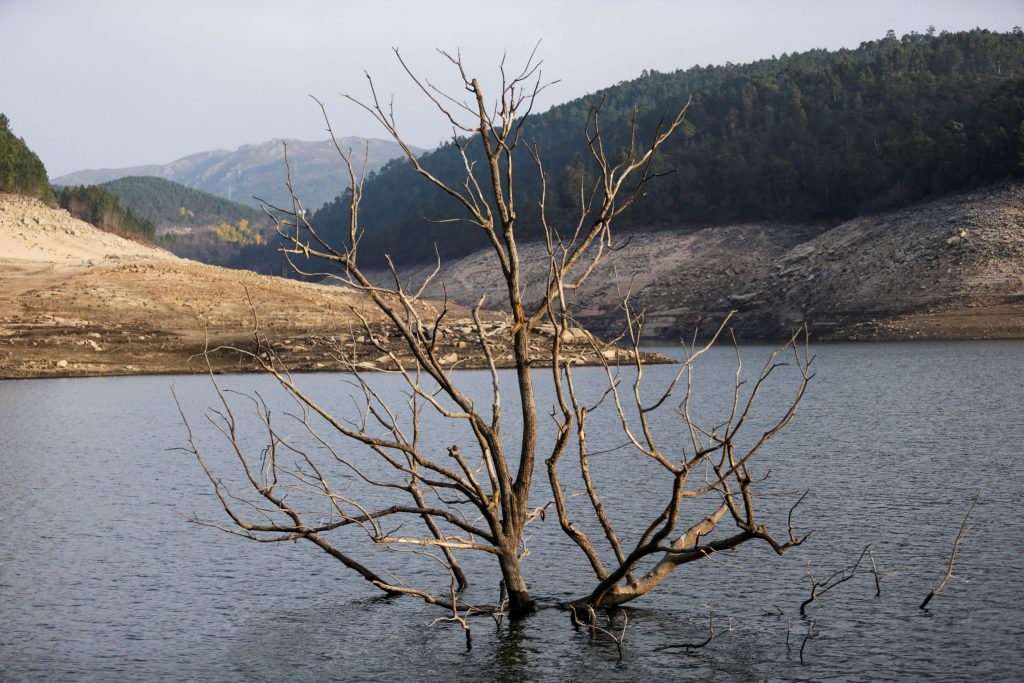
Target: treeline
x,y
97,205
813,137
167,203
21,171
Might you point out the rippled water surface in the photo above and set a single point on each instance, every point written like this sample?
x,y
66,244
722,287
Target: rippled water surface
x,y
102,578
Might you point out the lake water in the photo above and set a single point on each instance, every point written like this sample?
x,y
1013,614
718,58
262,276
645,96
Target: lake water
x,y
102,578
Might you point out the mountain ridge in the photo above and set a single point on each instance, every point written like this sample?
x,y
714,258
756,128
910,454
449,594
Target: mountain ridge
x,y
256,170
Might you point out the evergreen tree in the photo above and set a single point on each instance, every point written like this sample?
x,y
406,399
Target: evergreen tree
x,y
21,171
96,205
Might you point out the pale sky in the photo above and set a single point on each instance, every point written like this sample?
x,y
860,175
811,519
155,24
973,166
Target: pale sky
x,y
114,83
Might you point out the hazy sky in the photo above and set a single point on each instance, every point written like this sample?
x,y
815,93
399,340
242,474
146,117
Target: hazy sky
x,y
113,83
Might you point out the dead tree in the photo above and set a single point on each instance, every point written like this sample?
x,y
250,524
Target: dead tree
x,y
479,494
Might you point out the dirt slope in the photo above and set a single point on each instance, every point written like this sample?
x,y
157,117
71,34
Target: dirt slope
x,y
77,301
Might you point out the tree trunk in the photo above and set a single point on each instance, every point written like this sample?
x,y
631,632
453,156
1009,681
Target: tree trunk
x,y
520,603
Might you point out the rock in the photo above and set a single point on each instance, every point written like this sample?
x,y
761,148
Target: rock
x,y
574,334
449,359
62,364
744,302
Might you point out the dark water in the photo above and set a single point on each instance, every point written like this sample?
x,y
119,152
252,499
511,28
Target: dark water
x,y
101,578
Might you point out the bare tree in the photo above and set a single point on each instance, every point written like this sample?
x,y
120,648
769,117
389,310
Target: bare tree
x,y
476,496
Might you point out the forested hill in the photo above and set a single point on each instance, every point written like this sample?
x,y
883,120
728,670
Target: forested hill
x,y
170,204
201,226
97,205
21,171
813,137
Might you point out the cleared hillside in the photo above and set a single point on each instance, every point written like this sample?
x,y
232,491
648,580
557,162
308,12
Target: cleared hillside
x,y
952,268
77,301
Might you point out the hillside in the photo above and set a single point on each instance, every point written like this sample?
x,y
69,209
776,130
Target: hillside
x,y
198,225
101,208
952,268
21,171
813,138
78,301
256,170
170,205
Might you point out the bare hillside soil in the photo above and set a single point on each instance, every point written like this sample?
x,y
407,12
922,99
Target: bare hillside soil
x,y
75,301
948,269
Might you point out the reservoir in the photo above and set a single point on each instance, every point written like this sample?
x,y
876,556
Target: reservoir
x,y
102,577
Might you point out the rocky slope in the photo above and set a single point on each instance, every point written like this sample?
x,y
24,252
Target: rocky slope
x,y
958,257
948,269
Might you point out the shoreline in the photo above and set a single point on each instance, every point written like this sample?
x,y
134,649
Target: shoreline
x,y
79,302
162,359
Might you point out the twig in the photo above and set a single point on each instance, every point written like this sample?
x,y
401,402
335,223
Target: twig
x,y
619,640
952,555
807,636
712,635
874,570
819,588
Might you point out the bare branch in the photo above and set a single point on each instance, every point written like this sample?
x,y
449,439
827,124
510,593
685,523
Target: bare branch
x,y
952,555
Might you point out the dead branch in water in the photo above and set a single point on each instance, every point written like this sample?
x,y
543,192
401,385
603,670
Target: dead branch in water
x,y
819,588
952,555
712,635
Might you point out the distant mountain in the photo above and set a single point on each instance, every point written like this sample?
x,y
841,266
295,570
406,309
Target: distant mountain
x,y
258,170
